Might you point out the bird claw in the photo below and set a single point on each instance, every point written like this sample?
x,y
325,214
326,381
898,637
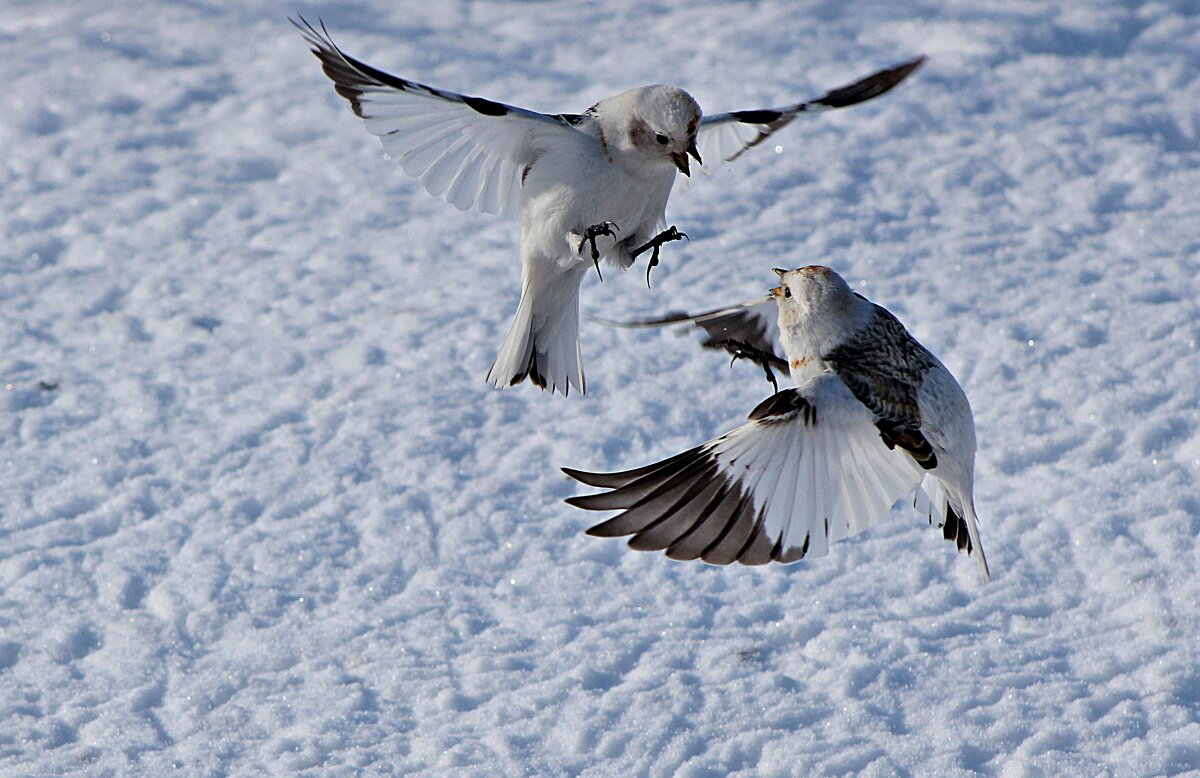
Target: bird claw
x,y
595,231
666,236
590,235
743,350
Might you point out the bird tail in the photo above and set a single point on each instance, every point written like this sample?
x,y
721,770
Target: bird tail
x,y
543,341
959,523
976,540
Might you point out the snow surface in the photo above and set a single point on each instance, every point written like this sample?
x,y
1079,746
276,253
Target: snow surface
x,y
260,514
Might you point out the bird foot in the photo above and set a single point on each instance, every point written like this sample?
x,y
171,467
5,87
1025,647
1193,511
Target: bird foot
x,y
590,235
742,350
666,236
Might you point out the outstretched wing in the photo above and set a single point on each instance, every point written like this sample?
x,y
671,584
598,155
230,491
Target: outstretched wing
x,y
808,470
752,324
470,151
726,136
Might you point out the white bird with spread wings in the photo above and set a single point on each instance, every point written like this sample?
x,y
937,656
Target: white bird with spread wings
x,y
873,417
587,186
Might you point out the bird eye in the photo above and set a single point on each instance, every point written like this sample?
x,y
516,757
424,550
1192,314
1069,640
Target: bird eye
x,y
661,138
787,292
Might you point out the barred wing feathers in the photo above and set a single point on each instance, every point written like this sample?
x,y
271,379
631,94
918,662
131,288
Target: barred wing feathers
x,y
807,470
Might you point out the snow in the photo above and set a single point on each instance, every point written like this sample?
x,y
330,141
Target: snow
x,y
261,515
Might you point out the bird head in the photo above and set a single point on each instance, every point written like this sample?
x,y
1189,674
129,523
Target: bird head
x,y
655,125
817,311
811,292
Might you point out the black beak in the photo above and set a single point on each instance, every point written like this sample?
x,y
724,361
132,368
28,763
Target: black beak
x,y
681,162
691,149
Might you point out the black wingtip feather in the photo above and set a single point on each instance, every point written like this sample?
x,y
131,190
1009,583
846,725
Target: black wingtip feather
x,y
758,116
485,106
585,477
620,478
610,528
575,502
601,501
872,86
351,75
690,511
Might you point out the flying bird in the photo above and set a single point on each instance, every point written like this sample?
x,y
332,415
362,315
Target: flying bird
x,y
873,416
585,187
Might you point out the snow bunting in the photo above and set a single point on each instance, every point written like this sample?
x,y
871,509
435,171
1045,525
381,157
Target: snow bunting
x,y
873,415
586,186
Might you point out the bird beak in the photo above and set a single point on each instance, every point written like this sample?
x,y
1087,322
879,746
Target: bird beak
x,y
691,149
681,161
777,291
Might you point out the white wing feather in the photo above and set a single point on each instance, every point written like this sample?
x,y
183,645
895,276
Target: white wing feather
x,y
821,481
808,470
470,151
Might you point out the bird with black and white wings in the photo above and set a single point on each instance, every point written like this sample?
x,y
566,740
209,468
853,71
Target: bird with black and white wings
x,y
873,417
585,187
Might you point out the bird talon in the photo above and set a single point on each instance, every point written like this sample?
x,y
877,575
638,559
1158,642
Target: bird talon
x,y
654,244
666,236
653,263
590,235
739,351
746,351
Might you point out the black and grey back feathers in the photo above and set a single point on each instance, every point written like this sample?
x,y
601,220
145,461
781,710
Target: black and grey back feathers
x,y
884,366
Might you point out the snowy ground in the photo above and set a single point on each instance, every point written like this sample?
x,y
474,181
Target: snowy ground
x,y
260,514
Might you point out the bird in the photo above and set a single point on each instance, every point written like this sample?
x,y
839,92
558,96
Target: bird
x,y
873,415
585,187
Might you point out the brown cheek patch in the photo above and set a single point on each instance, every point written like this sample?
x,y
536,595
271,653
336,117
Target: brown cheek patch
x,y
796,364
637,130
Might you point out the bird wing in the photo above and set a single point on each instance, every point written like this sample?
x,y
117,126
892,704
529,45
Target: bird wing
x,y
884,367
807,470
752,323
471,151
726,136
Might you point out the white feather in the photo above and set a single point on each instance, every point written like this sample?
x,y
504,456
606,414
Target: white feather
x,y
802,473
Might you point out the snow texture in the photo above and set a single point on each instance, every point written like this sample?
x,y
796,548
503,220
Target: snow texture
x,y
261,515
